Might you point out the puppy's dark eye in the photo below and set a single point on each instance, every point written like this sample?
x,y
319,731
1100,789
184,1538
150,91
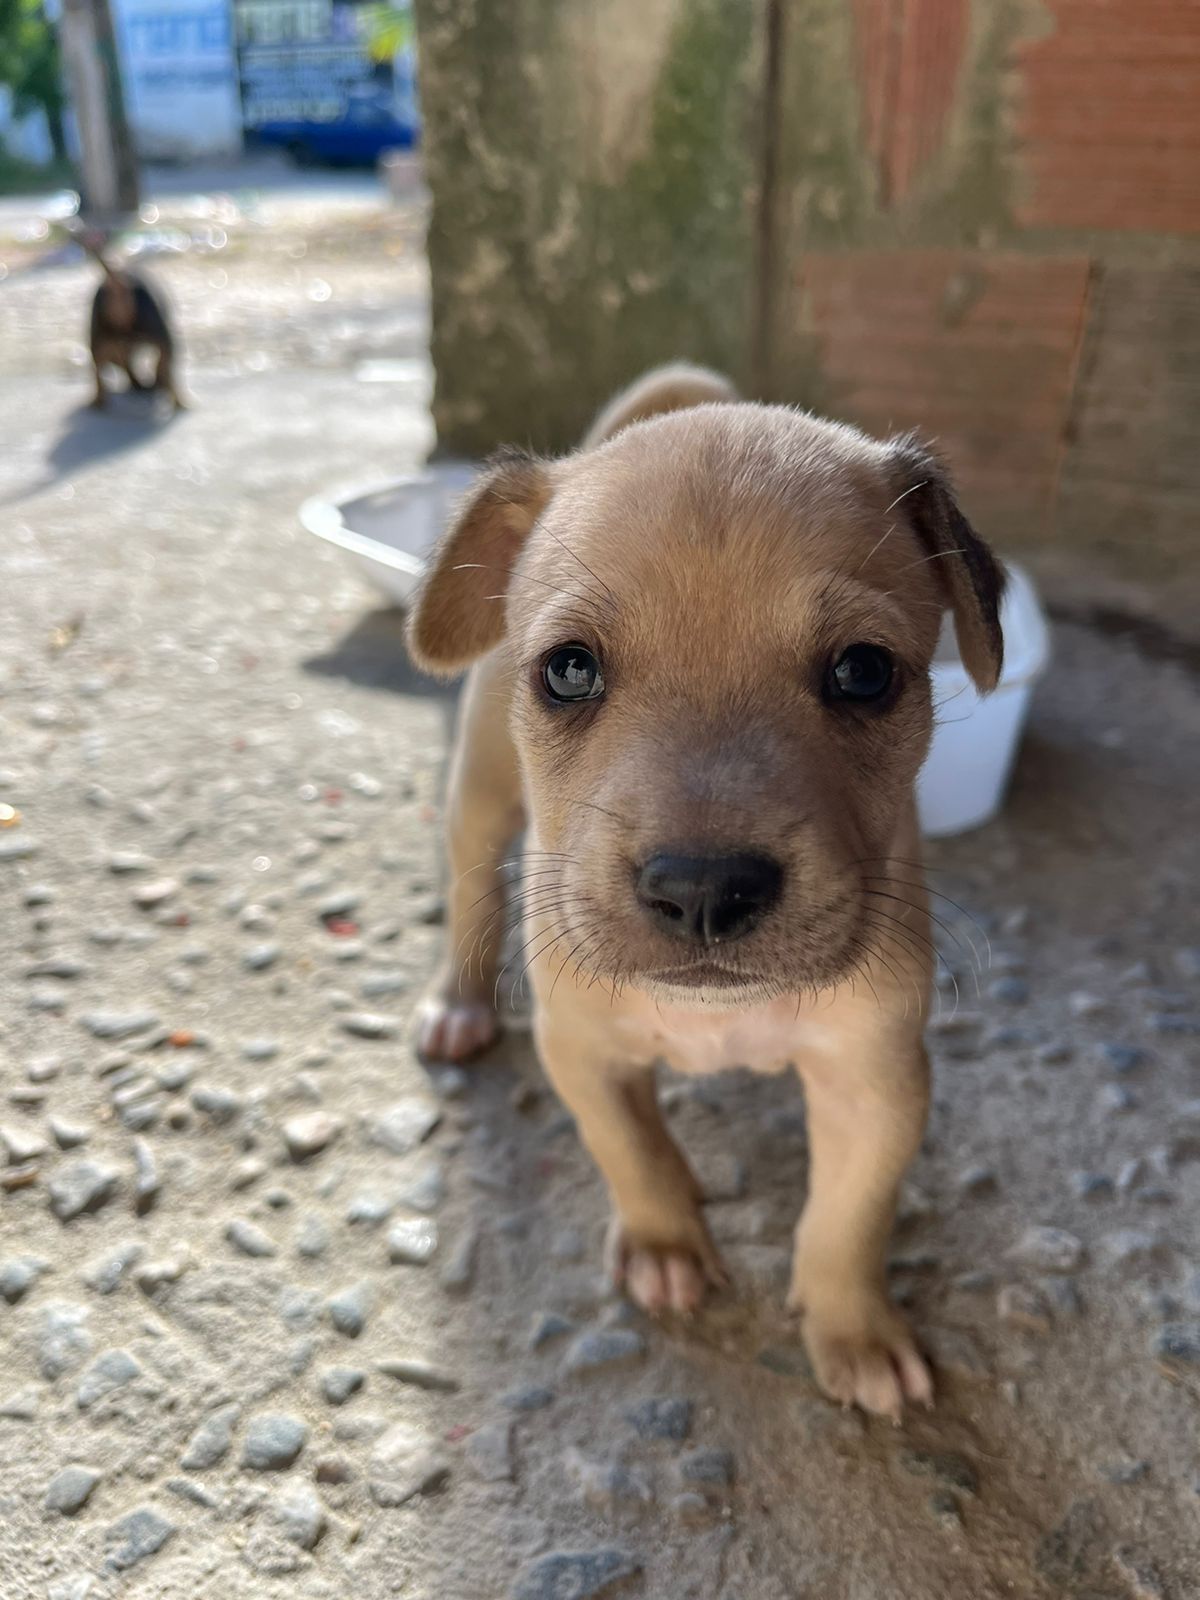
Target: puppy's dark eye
x,y
863,673
572,673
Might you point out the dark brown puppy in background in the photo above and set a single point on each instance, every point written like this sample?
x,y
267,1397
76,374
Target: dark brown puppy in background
x,y
127,320
699,653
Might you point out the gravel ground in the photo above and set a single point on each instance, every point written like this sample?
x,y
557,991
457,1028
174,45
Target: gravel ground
x,y
280,1312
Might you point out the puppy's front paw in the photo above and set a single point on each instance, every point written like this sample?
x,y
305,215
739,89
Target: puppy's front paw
x,y
451,1028
665,1277
866,1356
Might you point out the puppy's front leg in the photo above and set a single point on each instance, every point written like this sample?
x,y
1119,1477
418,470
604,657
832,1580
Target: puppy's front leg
x,y
866,1115
457,1018
659,1246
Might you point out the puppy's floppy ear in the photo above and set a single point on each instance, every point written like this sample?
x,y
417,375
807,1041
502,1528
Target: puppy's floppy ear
x,y
457,615
971,578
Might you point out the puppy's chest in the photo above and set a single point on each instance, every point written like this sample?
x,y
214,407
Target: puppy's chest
x,y
765,1039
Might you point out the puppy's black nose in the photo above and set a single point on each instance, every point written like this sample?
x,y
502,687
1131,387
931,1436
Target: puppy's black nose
x,y
708,899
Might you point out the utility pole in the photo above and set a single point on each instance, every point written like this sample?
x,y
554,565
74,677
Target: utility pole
x,y
89,47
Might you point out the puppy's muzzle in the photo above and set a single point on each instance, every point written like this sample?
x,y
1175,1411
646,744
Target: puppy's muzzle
x,y
708,900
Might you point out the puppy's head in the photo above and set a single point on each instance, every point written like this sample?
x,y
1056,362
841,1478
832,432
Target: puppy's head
x,y
719,627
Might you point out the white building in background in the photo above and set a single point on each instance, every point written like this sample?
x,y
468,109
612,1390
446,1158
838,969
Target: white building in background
x,y
180,76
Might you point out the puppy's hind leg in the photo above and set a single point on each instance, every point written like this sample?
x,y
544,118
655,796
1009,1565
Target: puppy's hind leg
x,y
457,1018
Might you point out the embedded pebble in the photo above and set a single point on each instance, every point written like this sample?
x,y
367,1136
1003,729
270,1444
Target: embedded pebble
x,y
406,1124
273,1441
369,1024
349,1310
427,1190
260,957
313,1238
127,861
260,1049
339,1384
976,1181
707,1467
533,1397
1023,1307
250,1239
575,1575
603,1348
547,1326
298,1516
69,1490
1131,1247
1011,991
1121,1058
1092,1186
135,1537
412,1242
1139,1574
68,1135
662,1417
489,1452
63,1338
459,1271
22,1144
404,1464
79,1187
18,1276
1048,1250
218,1103
109,1372
1177,1346
118,1024
420,1374
147,1183
155,893
946,1467
212,1440
307,1135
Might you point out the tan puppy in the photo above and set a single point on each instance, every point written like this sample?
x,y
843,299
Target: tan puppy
x,y
699,655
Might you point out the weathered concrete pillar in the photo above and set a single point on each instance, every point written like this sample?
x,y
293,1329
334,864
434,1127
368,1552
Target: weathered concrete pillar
x,y
594,173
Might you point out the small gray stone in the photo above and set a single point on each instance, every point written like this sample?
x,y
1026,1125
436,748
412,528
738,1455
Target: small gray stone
x,y
1048,1250
340,1384
459,1271
1139,1574
1124,1473
663,1417
547,1326
68,1135
1054,1052
1023,1307
118,1024
298,1516
63,1338
313,1238
259,957
420,1374
412,1242
349,1310
339,904
22,1144
260,1049
1010,991
17,848
18,1276
1132,1248
249,1239
406,1124
533,1397
404,1465
427,1190
142,1533
1121,1058
127,861
575,1575
1115,1099
946,1467
216,1102
147,1184
1062,1295
78,1187
380,985
307,1135
489,1452
69,1490
600,1348
369,1208
109,1372
1092,1186
272,1442
148,896
211,1441
711,1468
1176,1346
369,1025
22,1406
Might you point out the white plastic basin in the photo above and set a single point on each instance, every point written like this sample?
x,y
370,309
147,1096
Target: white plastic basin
x,y
387,532
965,775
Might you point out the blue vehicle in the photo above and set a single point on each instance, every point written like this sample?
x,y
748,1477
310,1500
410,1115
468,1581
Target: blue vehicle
x,y
329,105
